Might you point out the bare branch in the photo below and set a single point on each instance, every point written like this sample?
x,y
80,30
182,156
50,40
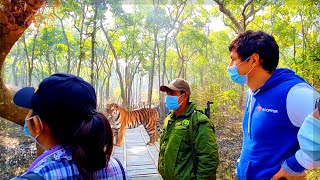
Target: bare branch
x,y
177,48
244,9
197,50
230,26
253,12
225,11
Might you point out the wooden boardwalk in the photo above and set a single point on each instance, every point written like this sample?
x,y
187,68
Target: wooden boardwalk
x,y
139,159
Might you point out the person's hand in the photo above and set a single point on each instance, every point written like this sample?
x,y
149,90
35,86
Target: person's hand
x,y
281,174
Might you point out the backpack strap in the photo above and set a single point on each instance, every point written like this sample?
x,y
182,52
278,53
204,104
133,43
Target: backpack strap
x,y
31,176
122,169
191,139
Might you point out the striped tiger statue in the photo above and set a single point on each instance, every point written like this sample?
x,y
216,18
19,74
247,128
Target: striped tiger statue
x,y
120,119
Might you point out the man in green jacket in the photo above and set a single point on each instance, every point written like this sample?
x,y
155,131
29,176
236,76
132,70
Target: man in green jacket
x,y
188,148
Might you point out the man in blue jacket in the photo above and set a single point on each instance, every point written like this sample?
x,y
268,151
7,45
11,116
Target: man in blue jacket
x,y
277,103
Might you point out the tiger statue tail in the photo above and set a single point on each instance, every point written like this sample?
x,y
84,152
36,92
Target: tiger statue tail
x,y
152,125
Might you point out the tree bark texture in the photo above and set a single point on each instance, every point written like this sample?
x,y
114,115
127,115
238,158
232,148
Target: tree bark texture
x,y
15,18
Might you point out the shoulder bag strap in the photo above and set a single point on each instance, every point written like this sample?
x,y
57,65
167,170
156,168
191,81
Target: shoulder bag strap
x,y
191,139
122,169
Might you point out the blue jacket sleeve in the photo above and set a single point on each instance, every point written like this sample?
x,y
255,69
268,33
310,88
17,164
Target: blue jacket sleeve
x,y
309,154
292,166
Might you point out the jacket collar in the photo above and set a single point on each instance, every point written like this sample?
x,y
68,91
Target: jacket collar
x,y
190,108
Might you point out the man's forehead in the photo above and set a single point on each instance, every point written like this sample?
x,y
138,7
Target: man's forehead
x,y
234,54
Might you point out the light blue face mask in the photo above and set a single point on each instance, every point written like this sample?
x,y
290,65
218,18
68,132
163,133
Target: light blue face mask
x,y
172,102
235,76
309,137
26,130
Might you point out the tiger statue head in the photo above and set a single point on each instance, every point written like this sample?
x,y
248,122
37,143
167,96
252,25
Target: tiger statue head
x,y
113,113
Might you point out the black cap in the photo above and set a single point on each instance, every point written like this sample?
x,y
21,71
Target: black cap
x,y
59,95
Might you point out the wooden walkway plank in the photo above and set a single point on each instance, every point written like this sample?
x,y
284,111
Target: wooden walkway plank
x,y
138,158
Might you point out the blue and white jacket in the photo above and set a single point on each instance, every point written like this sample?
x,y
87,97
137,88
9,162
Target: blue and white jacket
x,y
271,122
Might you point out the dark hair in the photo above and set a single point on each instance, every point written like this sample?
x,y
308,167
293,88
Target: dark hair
x,y
91,141
259,42
68,105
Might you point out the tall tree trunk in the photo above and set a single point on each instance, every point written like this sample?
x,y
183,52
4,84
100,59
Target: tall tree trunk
x,y
93,41
108,88
101,92
67,41
82,53
294,48
29,61
48,52
140,88
151,74
55,63
123,94
12,26
137,88
161,103
32,56
14,68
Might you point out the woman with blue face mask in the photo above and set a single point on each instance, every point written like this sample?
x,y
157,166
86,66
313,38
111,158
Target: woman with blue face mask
x,y
188,148
63,120
309,140
309,135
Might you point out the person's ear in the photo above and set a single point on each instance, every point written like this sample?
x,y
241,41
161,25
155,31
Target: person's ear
x,y
36,126
185,96
29,115
255,60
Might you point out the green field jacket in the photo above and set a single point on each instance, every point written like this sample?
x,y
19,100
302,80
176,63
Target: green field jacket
x,y
175,156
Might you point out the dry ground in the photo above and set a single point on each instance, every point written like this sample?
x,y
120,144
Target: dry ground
x,y
229,137
16,150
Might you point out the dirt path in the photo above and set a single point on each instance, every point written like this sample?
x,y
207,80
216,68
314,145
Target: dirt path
x,y
229,137
16,150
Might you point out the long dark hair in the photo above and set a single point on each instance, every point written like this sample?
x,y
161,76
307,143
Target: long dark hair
x,y
91,142
68,105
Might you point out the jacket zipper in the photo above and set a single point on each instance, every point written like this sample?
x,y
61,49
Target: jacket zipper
x,y
250,110
249,120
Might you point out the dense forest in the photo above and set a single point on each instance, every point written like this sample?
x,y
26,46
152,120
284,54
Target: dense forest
x,y
126,50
